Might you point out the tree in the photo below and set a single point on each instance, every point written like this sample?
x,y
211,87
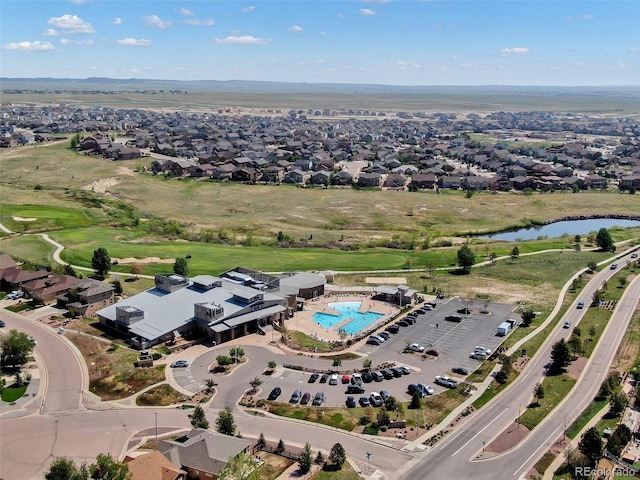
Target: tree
x,y
591,445
416,401
503,374
107,468
466,257
305,459
575,344
527,317
366,364
63,469
236,353
180,267
604,241
382,418
15,348
240,467
337,362
538,392
67,269
596,297
319,457
279,450
223,360
198,418
617,403
117,287
271,364
337,456
101,262
515,252
255,383
592,266
622,280
261,443
560,356
225,423
136,269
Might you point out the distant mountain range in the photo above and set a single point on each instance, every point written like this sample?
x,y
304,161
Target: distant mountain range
x,y
245,86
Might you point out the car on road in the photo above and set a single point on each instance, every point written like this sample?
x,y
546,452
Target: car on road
x,y
324,378
333,380
566,324
180,364
314,377
415,347
460,370
275,393
295,397
305,398
446,381
364,401
318,399
2,324
580,305
376,399
634,255
613,266
350,402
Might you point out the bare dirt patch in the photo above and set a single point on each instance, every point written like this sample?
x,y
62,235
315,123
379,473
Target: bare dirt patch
x,y
575,368
509,438
101,186
20,219
144,260
394,280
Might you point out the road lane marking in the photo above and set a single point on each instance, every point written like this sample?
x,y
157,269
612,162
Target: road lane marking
x,y
555,432
485,427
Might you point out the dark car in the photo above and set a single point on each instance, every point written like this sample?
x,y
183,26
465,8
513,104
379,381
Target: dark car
x,y
305,398
351,402
366,377
453,318
275,393
387,374
324,378
2,324
393,329
364,401
385,335
377,376
396,371
355,389
460,370
433,352
405,370
409,320
314,377
295,397
403,323
318,399
580,305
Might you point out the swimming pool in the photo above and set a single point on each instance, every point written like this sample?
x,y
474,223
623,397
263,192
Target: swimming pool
x,y
346,310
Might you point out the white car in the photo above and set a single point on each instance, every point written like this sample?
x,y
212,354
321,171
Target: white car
x,y
482,349
446,381
333,380
415,347
376,399
478,355
180,364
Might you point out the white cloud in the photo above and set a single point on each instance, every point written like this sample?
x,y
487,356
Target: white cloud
x,y
50,32
117,21
71,25
402,64
155,21
248,9
634,49
580,18
184,11
367,12
36,46
515,51
241,40
135,42
86,41
341,16
201,23
295,28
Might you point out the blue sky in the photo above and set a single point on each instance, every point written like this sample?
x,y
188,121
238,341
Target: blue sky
x,y
395,42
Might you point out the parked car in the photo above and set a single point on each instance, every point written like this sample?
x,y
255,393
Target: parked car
x,y
410,320
415,347
453,318
314,377
460,370
295,397
404,370
427,307
346,378
318,399
480,348
275,393
421,389
375,399
580,305
305,398
374,341
351,402
385,335
364,401
432,304
393,329
356,379
355,389
377,376
403,323
433,352
367,377
397,372
180,364
446,381
427,388
324,378
384,394
333,380
387,374
477,355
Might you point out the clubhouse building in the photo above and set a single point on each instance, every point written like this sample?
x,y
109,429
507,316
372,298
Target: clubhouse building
x,y
237,303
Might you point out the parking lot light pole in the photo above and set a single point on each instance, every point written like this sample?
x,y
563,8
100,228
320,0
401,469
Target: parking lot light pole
x,y
156,425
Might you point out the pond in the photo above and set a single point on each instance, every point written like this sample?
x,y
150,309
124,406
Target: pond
x,y
565,227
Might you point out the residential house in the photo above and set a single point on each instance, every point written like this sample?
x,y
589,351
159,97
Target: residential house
x,y
203,454
449,181
473,182
521,182
424,181
222,172
154,466
369,179
273,174
630,181
15,277
395,181
400,294
295,176
87,296
342,178
594,181
45,290
244,174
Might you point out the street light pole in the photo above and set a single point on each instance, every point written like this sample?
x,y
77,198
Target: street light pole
x,y
156,425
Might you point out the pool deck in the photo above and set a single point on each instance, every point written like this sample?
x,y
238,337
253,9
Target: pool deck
x,y
303,321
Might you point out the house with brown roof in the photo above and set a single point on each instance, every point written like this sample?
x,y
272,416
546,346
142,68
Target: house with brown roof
x,y
424,180
87,296
154,466
14,277
203,454
45,290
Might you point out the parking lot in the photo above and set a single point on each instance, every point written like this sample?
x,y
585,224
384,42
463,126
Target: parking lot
x,y
454,340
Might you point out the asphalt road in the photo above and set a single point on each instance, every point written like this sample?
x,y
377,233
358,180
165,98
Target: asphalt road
x,y
456,456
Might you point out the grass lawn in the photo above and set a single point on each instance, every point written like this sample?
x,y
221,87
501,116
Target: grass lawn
x,y
556,388
11,394
578,424
43,218
159,396
346,473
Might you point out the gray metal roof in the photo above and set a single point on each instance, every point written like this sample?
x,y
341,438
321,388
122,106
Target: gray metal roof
x,y
302,280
